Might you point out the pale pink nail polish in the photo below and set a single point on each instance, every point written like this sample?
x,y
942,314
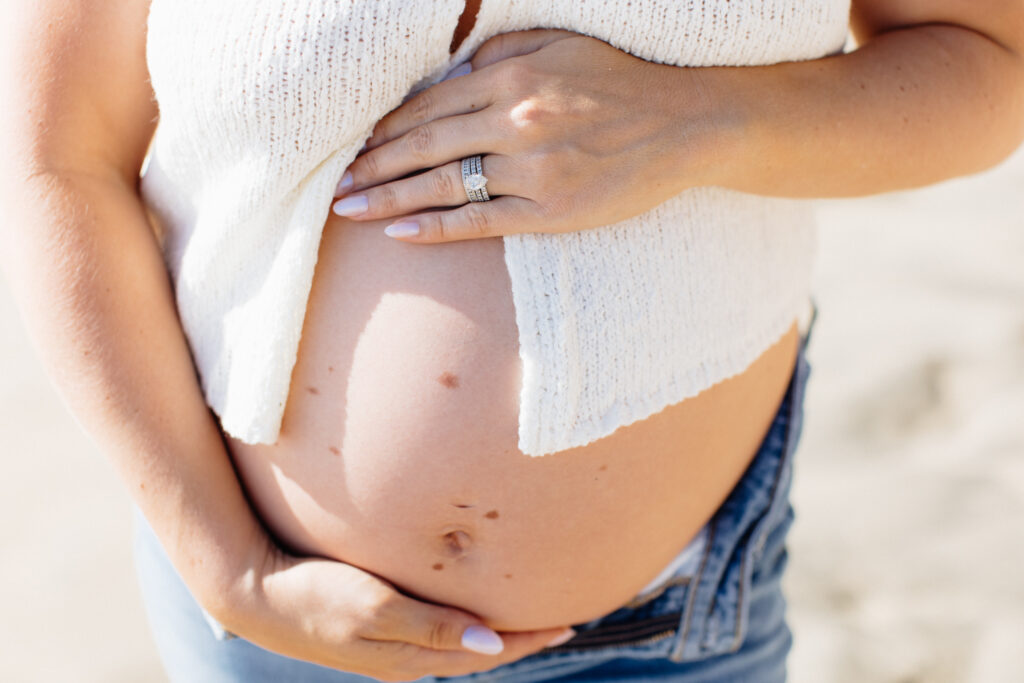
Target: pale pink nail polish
x,y
351,206
402,229
344,185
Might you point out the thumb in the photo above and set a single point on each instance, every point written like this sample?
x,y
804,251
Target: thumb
x,y
516,43
448,628
439,628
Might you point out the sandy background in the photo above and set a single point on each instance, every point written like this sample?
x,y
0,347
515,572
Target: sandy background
x,y
907,553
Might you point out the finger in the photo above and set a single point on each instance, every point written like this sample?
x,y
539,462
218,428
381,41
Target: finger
x,y
451,97
438,187
407,620
429,146
506,215
517,645
516,43
463,95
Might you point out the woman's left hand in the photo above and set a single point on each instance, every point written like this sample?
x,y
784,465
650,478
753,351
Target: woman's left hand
x,y
573,134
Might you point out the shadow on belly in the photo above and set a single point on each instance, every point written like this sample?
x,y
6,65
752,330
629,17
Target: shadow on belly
x,y
398,447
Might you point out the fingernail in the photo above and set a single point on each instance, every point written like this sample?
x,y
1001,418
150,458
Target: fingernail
x,y
344,185
460,70
562,637
483,640
405,229
351,206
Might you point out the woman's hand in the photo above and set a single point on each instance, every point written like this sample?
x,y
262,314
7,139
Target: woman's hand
x,y
337,615
574,134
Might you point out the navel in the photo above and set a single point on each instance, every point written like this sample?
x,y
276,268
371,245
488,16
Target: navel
x,y
456,543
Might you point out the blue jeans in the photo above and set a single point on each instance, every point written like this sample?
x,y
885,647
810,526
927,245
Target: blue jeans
x,y
718,619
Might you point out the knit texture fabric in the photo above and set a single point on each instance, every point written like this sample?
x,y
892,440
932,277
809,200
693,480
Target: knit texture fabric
x,y
264,103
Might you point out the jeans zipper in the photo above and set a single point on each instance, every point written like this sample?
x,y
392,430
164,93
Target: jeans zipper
x,y
591,648
609,641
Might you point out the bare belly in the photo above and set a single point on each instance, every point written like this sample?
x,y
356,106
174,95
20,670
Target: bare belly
x,y
398,451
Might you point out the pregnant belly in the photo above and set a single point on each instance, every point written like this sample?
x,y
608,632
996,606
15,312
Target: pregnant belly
x,y
398,451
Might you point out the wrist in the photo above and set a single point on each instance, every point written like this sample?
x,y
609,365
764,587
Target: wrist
x,y
232,591
712,136
217,545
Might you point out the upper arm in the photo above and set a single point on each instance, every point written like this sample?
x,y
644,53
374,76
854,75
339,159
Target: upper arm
x,y
76,86
1002,21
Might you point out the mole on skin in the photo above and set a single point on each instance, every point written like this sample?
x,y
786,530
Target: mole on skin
x,y
493,514
313,390
449,380
335,450
438,566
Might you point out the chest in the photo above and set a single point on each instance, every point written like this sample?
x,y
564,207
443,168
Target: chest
x,y
335,62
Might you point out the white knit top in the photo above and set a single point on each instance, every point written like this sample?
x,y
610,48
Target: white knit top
x,y
264,103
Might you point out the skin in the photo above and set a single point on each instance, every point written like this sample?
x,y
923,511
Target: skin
x,y
554,115
89,280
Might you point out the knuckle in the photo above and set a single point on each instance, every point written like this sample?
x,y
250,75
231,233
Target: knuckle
x,y
386,199
439,634
419,142
493,44
371,163
516,74
442,183
439,226
478,219
525,117
422,107
550,184
540,178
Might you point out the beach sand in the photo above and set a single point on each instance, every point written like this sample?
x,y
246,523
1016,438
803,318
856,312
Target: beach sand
x,y
909,491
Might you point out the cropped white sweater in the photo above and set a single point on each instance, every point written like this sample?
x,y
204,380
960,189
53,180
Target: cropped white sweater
x,y
264,103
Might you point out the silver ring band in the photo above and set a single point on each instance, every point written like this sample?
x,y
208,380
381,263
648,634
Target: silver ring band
x,y
473,179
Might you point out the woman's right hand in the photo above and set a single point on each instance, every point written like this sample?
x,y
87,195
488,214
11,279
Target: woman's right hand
x,y
337,615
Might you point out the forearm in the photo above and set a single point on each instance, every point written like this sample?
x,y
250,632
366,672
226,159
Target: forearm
x,y
909,108
89,281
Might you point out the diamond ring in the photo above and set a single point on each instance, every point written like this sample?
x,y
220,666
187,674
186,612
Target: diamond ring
x,y
473,179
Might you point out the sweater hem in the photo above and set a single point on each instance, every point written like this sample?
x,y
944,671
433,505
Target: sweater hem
x,y
624,411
